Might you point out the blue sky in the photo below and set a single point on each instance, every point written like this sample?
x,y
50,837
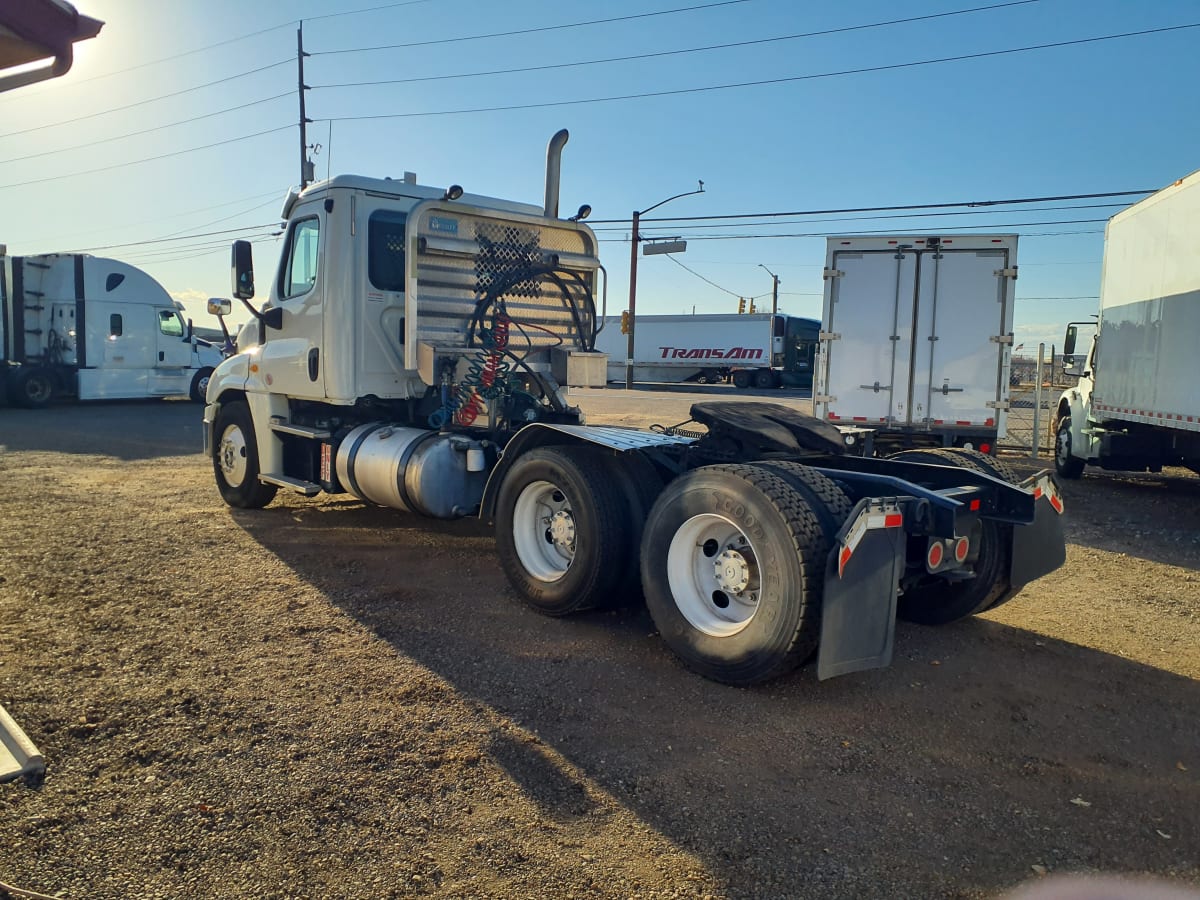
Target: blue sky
x,y
1106,116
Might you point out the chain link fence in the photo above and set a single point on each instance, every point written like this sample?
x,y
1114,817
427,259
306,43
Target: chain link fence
x,y
1031,411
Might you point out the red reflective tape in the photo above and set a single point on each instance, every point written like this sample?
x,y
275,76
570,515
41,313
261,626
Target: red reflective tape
x,y
858,418
989,423
961,422
832,416
893,520
1057,503
1037,492
843,559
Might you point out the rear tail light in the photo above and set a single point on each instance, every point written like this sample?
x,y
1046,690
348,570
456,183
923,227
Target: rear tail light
x,y
961,548
935,555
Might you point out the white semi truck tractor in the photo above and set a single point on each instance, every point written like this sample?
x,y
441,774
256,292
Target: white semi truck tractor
x,y
412,353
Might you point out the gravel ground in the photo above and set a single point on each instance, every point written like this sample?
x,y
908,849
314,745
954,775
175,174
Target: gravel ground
x,y
323,699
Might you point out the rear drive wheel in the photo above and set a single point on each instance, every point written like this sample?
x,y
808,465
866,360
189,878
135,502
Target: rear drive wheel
x,y
733,564
200,384
997,468
235,459
741,379
561,529
33,388
764,379
933,600
1065,464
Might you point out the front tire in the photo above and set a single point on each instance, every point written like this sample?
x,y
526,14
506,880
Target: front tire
x,y
33,388
1065,464
733,564
235,459
561,527
199,386
936,601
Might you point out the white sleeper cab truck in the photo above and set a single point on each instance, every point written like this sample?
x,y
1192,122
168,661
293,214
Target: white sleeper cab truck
x,y
917,338
1136,406
412,352
94,329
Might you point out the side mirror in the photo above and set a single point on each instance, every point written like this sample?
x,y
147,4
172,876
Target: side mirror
x,y
1069,341
243,270
190,331
273,317
219,306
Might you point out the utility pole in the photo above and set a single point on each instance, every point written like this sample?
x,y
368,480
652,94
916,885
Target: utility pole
x,y
305,168
774,289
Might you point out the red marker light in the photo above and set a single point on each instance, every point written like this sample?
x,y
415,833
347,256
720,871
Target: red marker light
x,y
961,549
933,558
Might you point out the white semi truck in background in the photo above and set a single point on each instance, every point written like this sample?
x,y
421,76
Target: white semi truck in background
x,y
73,325
1136,406
412,353
759,350
916,338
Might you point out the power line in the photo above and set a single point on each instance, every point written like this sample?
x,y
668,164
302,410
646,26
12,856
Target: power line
x,y
134,162
996,226
105,112
355,12
594,62
1011,201
186,237
764,81
543,28
969,212
702,278
121,137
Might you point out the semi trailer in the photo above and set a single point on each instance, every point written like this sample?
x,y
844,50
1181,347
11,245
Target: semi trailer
x,y
916,338
759,350
1135,406
413,352
80,326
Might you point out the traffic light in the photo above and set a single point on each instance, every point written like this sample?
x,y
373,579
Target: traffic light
x,y
741,305
625,322
751,306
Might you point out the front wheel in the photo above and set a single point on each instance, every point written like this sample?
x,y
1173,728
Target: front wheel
x,y
33,388
1065,464
199,386
235,459
561,526
733,564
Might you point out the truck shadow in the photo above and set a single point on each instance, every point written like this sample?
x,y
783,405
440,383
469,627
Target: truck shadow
x,y
123,429
985,749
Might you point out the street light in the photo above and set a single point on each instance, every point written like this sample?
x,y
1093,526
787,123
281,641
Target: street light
x,y
635,239
774,289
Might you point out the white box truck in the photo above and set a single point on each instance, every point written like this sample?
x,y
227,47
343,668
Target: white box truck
x,y
756,350
406,355
1136,406
917,338
73,325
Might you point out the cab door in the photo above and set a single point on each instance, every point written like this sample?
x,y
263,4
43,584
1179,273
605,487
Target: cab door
x,y
291,357
173,354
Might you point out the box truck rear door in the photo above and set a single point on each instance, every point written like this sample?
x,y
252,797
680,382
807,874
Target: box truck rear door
x,y
961,306
871,311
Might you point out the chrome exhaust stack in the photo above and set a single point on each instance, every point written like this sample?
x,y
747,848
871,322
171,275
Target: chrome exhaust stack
x,y
554,171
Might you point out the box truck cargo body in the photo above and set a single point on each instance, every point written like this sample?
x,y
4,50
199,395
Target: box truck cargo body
x,y
83,326
917,337
761,350
1136,406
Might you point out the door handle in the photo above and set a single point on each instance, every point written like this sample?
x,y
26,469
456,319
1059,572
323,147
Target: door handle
x,y
161,356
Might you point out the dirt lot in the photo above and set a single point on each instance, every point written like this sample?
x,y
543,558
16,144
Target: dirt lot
x,y
327,700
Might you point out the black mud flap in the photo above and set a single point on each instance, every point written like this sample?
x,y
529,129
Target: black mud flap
x,y
1041,547
862,576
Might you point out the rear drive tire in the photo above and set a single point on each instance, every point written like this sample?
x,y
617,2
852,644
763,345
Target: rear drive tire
x,y
997,468
741,379
235,459
199,386
733,567
641,484
764,379
936,601
562,530
33,388
1065,464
